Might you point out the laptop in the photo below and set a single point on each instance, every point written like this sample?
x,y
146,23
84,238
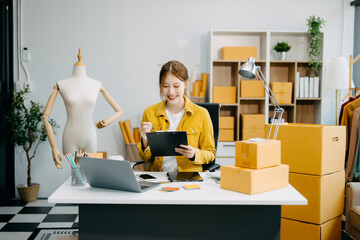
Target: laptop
x,y
112,174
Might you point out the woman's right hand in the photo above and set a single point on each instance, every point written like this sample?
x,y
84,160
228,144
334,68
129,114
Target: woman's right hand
x,y
145,128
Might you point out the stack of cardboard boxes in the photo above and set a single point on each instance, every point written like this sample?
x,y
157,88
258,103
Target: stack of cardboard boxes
x,y
282,92
252,126
315,155
257,168
226,133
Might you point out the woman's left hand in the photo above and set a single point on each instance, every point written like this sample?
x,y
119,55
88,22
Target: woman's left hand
x,y
186,150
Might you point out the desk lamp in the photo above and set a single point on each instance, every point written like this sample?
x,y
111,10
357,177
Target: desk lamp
x,y
249,70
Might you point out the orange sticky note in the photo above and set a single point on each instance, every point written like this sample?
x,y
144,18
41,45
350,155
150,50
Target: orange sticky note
x,y
191,186
170,189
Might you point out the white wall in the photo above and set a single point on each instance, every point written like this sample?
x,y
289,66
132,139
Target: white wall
x,y
125,42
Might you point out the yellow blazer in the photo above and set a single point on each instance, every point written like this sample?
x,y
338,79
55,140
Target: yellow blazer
x,y
196,122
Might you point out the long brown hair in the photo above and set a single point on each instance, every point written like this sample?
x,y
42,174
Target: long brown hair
x,y
176,68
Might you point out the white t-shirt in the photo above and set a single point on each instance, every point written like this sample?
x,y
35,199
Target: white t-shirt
x,y
169,163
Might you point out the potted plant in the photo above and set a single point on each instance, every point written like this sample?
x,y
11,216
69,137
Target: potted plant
x,y
282,48
314,26
26,129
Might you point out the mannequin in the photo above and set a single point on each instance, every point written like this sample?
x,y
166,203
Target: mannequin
x,y
79,93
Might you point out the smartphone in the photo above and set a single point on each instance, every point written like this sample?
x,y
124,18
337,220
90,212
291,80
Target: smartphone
x,y
146,176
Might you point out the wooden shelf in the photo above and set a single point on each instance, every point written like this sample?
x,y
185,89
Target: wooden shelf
x,y
225,73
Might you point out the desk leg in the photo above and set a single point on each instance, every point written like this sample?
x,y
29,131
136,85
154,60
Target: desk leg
x,y
160,222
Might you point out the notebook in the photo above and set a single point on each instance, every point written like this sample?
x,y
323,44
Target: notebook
x,y
112,174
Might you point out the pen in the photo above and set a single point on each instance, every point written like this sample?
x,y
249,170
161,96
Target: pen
x,y
76,158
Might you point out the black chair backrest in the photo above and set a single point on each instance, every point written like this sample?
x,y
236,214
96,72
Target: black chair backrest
x,y
214,112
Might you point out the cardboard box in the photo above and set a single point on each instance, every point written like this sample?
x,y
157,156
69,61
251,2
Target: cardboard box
x,y
98,155
252,181
227,123
251,89
238,53
283,98
325,195
226,135
310,148
281,87
224,95
252,121
252,133
257,155
295,230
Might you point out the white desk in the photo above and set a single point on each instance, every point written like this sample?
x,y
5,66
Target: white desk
x,y
209,213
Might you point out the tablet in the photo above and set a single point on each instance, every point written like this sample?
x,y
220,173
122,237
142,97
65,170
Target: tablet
x,y
185,177
164,143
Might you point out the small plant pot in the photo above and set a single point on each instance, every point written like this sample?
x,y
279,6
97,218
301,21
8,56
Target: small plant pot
x,y
281,56
28,194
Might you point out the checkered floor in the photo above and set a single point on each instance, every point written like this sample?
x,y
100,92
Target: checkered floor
x,y
18,220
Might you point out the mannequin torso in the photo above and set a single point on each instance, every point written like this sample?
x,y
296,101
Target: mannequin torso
x,y
79,93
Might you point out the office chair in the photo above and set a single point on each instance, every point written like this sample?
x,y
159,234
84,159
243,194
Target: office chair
x,y
214,112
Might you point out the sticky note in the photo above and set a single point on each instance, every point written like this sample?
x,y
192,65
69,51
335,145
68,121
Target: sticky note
x,y
191,186
169,189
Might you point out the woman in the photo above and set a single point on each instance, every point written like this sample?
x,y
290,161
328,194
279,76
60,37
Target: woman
x,y
177,113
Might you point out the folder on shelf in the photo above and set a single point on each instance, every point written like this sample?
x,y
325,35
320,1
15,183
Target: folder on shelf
x,y
297,85
306,87
311,87
302,87
316,87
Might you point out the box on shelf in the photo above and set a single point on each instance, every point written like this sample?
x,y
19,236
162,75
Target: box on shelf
x,y
257,155
251,89
224,95
283,98
249,133
252,126
252,121
311,148
252,181
227,123
226,135
325,195
238,53
296,230
282,92
281,87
